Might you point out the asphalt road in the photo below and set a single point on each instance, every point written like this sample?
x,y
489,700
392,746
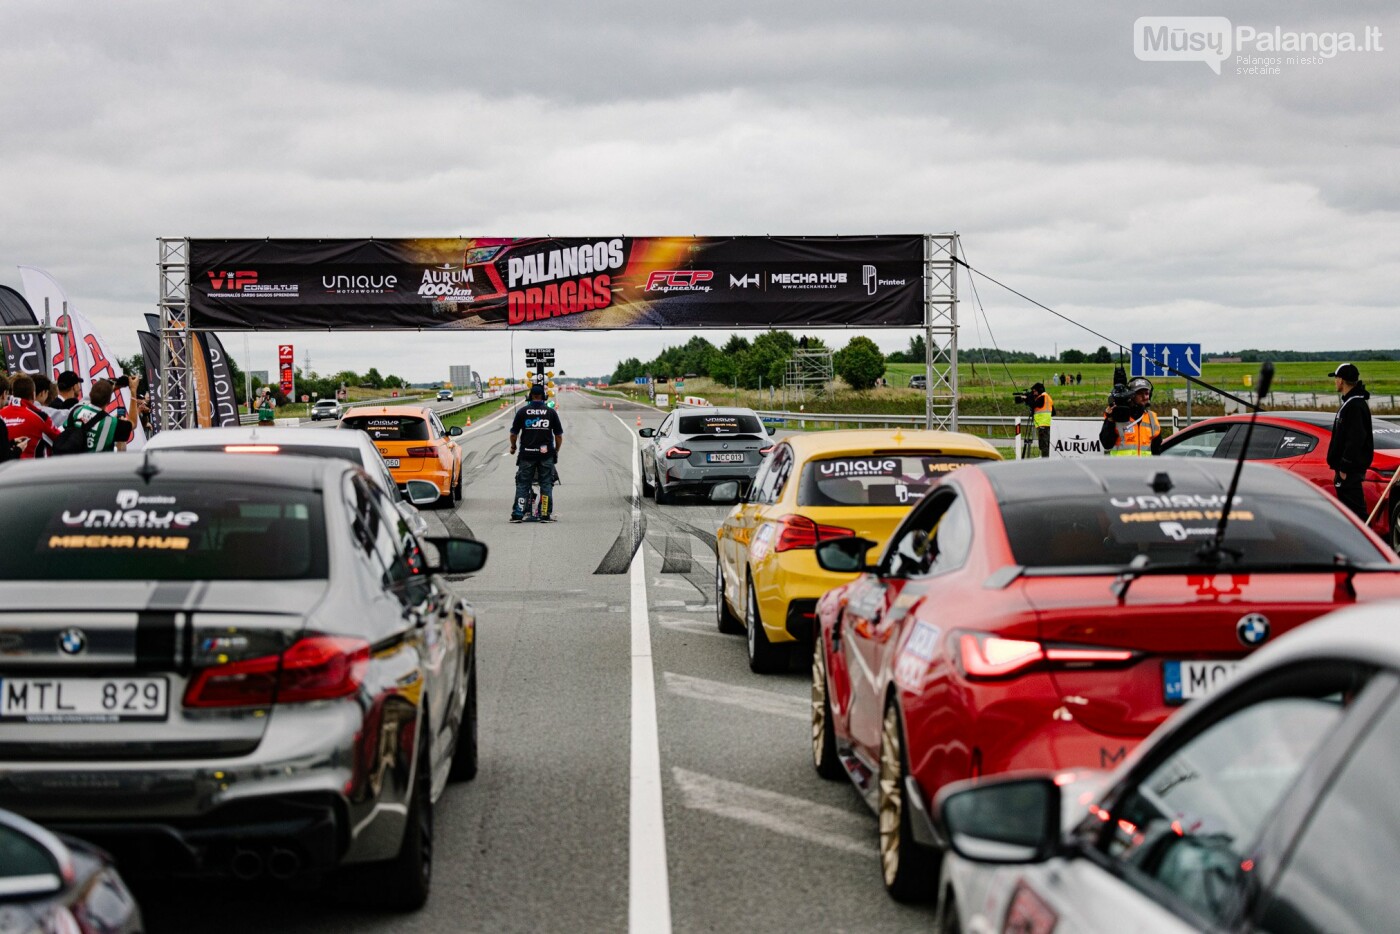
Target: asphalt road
x,y
541,839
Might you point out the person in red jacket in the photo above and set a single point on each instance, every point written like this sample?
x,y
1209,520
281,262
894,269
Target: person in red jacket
x,y
23,418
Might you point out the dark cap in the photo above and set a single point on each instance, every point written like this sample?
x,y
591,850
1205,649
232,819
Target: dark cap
x,y
67,380
1347,372
537,390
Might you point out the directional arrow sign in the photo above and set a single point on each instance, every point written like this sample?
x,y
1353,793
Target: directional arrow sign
x,y
1156,359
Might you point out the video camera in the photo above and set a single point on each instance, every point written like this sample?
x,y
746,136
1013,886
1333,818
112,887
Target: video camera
x,y
1029,397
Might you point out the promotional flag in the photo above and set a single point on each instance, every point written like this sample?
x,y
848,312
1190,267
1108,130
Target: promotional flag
x,y
225,404
150,359
81,347
23,352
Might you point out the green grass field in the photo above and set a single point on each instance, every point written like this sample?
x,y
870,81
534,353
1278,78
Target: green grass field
x,y
478,411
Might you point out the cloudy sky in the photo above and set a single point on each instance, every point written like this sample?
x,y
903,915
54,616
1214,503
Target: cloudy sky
x,y
1150,200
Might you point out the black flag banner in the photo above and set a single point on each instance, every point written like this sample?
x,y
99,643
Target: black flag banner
x,y
23,352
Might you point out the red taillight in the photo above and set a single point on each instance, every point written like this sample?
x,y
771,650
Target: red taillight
x,y
676,453
801,532
314,668
994,657
985,656
420,452
767,450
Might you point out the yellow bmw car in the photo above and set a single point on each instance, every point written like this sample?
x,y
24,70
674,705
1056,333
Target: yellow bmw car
x,y
814,487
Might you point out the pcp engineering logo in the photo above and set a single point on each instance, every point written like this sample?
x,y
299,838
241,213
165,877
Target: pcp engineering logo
x,y
1214,40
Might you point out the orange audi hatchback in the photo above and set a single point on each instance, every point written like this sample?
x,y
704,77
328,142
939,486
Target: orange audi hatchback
x,y
414,445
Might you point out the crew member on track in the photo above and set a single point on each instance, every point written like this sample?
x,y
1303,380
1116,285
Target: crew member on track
x,y
1132,430
1352,447
540,433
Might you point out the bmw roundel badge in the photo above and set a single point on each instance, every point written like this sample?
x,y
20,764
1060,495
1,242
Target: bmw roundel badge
x,y
72,641
1252,629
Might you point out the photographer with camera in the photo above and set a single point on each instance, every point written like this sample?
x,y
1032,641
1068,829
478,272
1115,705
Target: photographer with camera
x,y
1130,427
1042,408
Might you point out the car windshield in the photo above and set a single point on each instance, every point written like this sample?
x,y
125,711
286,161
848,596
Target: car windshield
x,y
874,479
107,530
1385,435
720,424
389,427
1169,528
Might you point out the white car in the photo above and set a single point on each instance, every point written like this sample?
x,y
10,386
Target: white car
x,y
325,408
353,446
1264,807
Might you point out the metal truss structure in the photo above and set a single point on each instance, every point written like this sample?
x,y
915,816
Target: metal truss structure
x,y
808,371
941,330
176,379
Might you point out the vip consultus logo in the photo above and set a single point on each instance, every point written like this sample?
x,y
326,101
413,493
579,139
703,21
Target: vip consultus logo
x,y
232,280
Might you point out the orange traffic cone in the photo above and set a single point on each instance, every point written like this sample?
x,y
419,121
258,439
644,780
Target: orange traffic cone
x,y
469,421
639,421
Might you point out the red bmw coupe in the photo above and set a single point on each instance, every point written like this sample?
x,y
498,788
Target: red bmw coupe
x,y
1051,614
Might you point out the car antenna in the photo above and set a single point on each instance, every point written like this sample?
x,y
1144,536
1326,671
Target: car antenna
x,y
147,470
1212,551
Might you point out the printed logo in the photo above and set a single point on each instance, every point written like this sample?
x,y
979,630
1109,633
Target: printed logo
x,y
1252,629
243,283
808,280
359,285
679,280
129,519
870,278
72,642
232,280
447,283
744,282
1214,39
130,499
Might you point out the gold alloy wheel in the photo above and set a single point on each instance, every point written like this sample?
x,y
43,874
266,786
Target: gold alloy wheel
x,y
891,794
818,701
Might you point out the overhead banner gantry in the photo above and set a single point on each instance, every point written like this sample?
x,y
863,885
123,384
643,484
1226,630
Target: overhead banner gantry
x,y
570,283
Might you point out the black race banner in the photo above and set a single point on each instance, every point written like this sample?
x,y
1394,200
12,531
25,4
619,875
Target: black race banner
x,y
23,352
577,283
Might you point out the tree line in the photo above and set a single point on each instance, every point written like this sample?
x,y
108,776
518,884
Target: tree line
x,y
312,384
753,364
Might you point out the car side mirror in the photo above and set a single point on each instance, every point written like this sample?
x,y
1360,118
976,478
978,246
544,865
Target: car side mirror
x,y
1011,820
422,492
36,862
460,555
647,432
454,431
845,555
725,494
771,429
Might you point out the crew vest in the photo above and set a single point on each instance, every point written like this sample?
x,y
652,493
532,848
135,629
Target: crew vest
x,y
1042,411
1136,439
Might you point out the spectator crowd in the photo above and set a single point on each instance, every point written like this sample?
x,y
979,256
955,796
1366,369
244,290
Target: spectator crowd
x,y
40,417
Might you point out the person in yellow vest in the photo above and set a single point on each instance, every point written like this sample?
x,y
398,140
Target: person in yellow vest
x,y
1042,407
1132,429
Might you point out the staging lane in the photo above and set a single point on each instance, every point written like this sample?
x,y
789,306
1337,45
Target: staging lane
x,y
539,841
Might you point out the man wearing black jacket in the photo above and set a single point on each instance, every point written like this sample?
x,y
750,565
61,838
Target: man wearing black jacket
x,y
1352,446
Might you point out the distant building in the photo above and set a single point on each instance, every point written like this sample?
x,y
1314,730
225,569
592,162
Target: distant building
x,y
460,376
259,376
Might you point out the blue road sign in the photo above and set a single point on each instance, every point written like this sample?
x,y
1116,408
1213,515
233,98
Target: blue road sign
x,y
641,380
1153,359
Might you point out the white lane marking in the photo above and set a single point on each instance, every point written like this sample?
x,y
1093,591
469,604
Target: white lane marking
x,y
693,627
751,699
782,814
649,889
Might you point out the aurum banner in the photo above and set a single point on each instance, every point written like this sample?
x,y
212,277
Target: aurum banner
x,y
575,283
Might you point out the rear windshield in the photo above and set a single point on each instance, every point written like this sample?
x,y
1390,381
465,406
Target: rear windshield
x,y
389,427
163,531
720,425
1114,530
1386,435
875,479
262,447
